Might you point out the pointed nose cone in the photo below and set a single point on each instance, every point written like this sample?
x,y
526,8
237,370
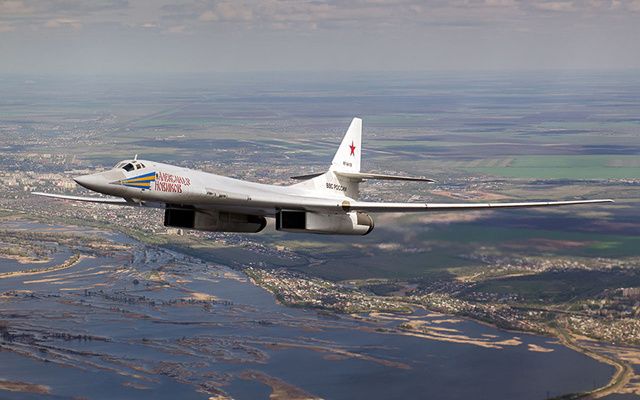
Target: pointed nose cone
x,y
90,182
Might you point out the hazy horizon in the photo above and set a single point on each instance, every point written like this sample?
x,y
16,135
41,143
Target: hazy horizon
x,y
140,36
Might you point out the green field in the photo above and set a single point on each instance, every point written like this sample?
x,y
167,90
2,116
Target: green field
x,y
566,167
560,287
595,244
385,265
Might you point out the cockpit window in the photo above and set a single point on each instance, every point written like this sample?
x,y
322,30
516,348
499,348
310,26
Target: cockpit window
x,y
129,165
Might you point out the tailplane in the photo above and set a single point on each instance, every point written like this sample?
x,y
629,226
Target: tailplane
x,y
343,177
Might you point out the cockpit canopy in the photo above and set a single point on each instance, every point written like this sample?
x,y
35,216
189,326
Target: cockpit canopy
x,y
129,165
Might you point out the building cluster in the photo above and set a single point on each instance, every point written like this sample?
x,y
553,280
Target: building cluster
x,y
502,315
21,181
295,289
500,265
631,293
614,330
620,303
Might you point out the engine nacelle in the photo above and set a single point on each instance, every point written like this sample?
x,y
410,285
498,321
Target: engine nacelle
x,y
351,223
213,221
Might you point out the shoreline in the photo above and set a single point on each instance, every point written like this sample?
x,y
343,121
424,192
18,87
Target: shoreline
x,y
68,263
621,377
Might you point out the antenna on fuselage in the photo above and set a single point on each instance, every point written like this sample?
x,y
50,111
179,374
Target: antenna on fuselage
x,y
135,158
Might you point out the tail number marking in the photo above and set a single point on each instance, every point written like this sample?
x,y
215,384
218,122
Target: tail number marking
x,y
335,186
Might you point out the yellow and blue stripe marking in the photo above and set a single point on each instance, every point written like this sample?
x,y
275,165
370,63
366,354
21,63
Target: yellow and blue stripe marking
x,y
140,181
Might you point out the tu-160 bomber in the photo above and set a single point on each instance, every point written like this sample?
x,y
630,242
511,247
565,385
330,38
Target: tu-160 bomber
x,y
320,203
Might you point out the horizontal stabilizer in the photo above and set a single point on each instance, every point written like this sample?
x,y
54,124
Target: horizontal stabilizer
x,y
366,175
305,177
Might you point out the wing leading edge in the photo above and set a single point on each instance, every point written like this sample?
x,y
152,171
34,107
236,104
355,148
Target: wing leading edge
x,y
107,200
422,207
320,204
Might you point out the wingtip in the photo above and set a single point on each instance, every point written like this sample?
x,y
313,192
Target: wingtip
x,y
603,201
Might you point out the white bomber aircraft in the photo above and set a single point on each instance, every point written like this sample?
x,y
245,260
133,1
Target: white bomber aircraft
x,y
322,203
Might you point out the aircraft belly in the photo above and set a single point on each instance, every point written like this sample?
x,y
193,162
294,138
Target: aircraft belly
x,y
237,203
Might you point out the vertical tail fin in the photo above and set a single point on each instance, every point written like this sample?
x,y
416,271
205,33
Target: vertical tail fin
x,y
347,157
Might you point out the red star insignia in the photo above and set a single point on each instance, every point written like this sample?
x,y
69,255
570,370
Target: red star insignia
x,y
353,149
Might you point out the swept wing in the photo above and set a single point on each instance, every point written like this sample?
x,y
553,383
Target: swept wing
x,y
320,204
425,207
103,200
